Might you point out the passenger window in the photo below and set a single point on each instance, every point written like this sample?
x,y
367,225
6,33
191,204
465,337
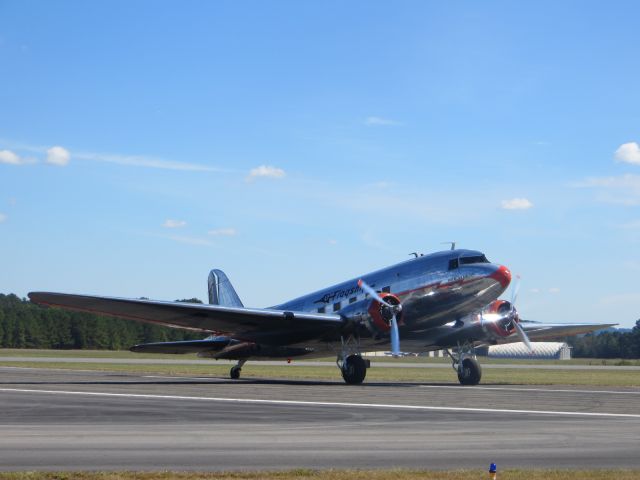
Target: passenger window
x,y
336,306
453,264
321,310
352,300
386,290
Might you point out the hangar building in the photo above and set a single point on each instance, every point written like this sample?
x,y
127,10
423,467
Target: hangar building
x,y
541,350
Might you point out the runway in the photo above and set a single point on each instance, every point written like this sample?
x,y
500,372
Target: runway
x,y
305,363
79,420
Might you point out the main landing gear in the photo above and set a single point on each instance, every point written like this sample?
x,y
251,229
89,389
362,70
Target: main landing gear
x,y
465,363
234,373
351,364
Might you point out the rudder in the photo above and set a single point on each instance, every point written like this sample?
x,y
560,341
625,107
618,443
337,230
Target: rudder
x,y
221,292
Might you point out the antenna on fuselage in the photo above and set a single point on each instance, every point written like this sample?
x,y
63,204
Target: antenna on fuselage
x,y
416,254
453,244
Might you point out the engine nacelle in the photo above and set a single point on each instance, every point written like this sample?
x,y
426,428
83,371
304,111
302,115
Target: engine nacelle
x,y
380,315
498,319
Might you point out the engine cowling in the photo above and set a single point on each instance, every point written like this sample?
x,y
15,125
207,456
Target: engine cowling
x,y
498,319
381,314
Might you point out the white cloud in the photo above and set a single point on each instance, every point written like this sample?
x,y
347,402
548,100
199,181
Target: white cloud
x,y
623,189
516,204
379,121
3,217
201,242
554,290
119,159
146,161
58,156
223,232
169,223
265,171
632,265
629,153
534,290
623,181
10,158
632,225
333,242
632,299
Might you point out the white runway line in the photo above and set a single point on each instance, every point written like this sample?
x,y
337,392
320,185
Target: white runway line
x,y
325,404
509,389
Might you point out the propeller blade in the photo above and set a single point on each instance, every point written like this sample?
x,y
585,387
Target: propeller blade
x,y
523,336
515,290
395,337
363,285
521,333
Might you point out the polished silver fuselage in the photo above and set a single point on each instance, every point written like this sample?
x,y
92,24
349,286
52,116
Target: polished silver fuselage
x,y
432,294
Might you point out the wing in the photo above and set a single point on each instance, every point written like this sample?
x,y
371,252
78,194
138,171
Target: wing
x,y
549,331
250,324
451,335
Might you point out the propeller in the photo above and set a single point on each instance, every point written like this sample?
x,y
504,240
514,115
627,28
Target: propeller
x,y
521,333
395,309
515,290
523,336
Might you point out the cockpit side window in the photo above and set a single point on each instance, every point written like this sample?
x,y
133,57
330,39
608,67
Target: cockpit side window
x,y
473,259
453,264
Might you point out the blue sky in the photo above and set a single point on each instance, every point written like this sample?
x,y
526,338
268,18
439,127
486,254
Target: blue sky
x,y
296,144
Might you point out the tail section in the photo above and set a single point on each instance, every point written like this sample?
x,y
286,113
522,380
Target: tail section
x,y
221,292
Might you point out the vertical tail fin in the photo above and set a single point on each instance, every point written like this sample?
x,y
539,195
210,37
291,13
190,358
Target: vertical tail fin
x,y
221,292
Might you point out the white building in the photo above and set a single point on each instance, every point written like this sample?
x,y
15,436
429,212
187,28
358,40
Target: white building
x,y
541,350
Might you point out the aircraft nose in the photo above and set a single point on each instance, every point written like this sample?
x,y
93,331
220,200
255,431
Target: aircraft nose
x,y
502,275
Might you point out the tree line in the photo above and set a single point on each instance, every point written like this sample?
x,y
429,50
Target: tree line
x,y
26,325
608,344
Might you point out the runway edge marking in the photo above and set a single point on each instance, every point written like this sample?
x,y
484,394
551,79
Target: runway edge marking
x,y
325,404
552,390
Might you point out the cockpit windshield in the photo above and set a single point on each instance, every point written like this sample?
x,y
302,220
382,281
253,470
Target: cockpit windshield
x,y
470,260
473,259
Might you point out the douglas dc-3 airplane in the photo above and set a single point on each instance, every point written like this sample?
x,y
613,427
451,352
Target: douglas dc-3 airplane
x,y
445,300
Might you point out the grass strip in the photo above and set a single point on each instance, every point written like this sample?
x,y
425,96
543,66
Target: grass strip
x,y
125,354
496,376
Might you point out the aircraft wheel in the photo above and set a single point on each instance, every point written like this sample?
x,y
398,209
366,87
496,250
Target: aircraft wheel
x,y
354,370
469,372
234,373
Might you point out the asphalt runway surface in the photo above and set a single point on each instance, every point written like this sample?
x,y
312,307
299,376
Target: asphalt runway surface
x,y
82,420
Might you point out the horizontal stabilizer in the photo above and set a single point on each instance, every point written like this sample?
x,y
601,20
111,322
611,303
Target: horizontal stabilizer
x,y
188,346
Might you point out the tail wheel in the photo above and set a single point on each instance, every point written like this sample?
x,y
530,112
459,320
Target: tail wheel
x,y
354,369
469,372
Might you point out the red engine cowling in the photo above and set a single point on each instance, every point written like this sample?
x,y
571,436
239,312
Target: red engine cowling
x,y
499,318
381,315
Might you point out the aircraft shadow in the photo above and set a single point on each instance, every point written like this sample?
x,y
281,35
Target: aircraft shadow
x,y
224,381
